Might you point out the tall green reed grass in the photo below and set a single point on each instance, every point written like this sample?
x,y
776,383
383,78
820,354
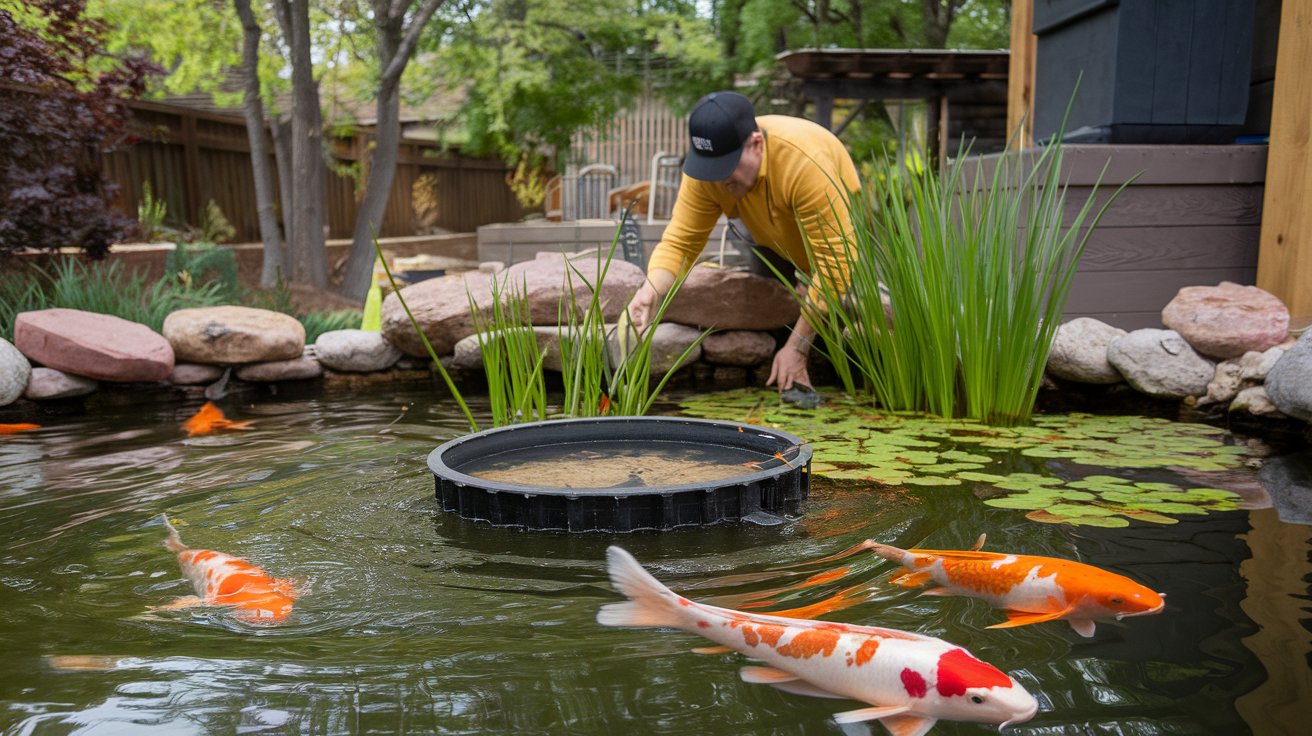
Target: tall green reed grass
x,y
977,265
595,380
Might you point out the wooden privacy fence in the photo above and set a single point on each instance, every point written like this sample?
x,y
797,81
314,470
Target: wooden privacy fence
x,y
191,156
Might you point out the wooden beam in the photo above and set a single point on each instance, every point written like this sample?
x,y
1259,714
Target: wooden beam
x,y
1020,72
1284,261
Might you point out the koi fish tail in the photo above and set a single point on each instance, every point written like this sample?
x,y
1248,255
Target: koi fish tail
x,y
172,542
650,602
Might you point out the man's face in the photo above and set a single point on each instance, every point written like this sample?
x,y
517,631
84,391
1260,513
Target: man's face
x,y
743,178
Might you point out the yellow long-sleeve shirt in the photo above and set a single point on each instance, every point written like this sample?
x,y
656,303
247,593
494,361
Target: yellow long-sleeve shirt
x,y
799,201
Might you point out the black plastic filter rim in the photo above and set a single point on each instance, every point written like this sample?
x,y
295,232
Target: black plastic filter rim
x,y
778,488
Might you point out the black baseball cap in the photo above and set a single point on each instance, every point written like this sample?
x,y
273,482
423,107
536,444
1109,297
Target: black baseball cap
x,y
718,125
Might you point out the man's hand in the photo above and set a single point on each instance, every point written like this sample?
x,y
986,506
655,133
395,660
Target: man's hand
x,y
789,367
643,306
647,300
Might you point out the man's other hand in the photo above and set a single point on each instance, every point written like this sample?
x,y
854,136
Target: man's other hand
x,y
789,368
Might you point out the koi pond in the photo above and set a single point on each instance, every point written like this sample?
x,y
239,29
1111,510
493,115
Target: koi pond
x,y
411,620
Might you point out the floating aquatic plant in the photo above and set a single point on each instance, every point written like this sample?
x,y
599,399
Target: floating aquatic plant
x,y
852,442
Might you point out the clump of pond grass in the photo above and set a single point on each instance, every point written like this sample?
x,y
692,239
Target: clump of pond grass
x,y
977,268
441,369
104,288
512,360
317,323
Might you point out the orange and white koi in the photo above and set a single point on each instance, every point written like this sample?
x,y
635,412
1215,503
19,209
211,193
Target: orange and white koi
x,y
209,419
911,681
223,580
1029,589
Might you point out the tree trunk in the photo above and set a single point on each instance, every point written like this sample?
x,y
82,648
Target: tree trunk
x,y
309,253
274,262
396,44
282,158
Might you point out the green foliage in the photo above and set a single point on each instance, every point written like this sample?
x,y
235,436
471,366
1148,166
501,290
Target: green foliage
x,y
105,288
512,360
214,225
317,323
150,214
851,442
537,72
204,263
977,268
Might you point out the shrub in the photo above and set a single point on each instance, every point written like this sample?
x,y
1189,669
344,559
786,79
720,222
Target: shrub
x,y
61,106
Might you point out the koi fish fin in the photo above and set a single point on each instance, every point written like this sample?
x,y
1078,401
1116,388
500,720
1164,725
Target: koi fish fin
x,y
713,650
1083,626
1024,618
858,547
186,601
806,689
650,603
82,662
759,675
870,714
172,542
911,579
909,725
979,543
938,591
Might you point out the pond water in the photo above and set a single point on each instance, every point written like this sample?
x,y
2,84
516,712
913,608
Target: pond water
x,y
413,621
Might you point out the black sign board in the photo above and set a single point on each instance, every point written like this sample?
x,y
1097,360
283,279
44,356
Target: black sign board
x,y
631,240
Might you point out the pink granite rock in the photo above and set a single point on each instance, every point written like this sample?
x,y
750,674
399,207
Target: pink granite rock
x,y
48,383
542,283
441,307
738,347
98,346
1227,320
732,300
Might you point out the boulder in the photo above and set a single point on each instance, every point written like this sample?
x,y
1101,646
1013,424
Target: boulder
x,y
1289,383
1227,320
1079,351
738,347
233,335
1224,385
541,283
1254,366
1288,480
194,374
732,300
1160,363
441,307
98,346
356,351
15,372
468,353
302,368
1255,400
48,383
668,342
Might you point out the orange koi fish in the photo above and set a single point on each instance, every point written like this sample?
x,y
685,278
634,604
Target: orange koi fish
x,y
224,580
911,681
1029,589
209,419
16,428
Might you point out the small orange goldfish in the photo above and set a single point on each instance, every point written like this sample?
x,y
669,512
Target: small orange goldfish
x,y
209,419
16,428
1029,589
224,580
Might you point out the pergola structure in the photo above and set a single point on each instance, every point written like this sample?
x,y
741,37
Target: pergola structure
x,y
945,79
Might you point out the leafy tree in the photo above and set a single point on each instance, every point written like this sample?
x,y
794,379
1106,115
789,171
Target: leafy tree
x,y
61,106
536,71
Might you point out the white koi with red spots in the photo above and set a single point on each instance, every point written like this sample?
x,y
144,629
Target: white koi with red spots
x,y
910,680
223,580
1028,588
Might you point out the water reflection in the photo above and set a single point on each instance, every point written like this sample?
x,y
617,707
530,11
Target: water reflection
x,y
419,622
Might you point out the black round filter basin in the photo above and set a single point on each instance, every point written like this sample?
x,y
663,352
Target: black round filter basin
x,y
768,486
